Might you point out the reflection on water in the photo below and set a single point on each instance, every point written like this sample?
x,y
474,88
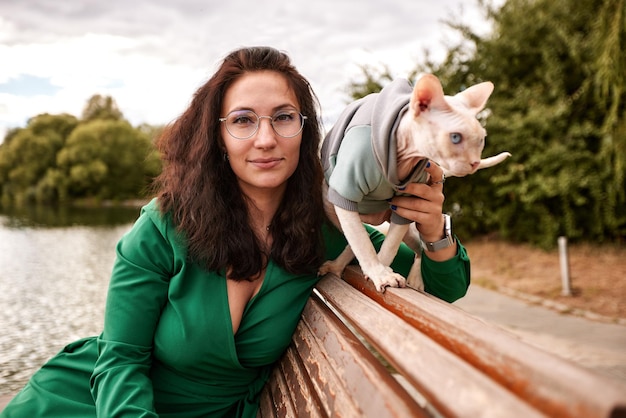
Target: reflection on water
x,y
54,272
46,216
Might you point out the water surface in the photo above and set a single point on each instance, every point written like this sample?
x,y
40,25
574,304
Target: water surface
x,y
54,272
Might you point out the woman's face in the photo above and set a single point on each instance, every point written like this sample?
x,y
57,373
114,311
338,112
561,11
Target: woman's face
x,y
264,161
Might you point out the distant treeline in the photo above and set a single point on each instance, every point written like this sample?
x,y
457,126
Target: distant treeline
x,y
61,159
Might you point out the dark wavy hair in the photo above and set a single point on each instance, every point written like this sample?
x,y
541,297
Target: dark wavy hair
x,y
199,189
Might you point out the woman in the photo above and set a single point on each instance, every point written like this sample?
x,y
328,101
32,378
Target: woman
x,y
209,284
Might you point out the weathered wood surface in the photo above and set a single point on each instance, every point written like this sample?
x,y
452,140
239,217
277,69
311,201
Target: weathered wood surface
x,y
430,356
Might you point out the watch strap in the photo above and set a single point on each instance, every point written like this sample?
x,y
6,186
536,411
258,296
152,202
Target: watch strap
x,y
445,242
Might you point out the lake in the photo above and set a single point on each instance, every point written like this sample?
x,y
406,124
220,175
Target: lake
x,y
54,272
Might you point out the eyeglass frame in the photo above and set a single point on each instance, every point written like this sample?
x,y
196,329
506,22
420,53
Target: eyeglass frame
x,y
258,124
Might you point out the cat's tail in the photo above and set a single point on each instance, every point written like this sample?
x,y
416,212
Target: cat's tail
x,y
491,161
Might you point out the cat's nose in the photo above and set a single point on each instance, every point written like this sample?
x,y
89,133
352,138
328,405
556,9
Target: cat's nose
x,y
475,165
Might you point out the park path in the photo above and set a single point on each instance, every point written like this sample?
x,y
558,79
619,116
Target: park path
x,y
596,345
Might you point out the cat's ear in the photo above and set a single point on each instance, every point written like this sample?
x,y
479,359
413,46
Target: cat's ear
x,y
476,96
427,93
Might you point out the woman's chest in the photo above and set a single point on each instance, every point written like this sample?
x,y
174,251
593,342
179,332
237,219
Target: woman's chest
x,y
195,330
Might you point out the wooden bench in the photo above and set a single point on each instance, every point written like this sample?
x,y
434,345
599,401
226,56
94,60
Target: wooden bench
x,y
359,353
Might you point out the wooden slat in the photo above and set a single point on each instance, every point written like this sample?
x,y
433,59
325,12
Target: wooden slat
x,y
350,381
551,384
306,402
288,393
272,398
266,406
282,395
452,386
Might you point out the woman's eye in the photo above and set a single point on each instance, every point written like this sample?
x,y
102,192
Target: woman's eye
x,y
284,117
456,137
242,120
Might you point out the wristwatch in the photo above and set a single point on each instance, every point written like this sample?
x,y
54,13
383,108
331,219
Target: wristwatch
x,y
445,242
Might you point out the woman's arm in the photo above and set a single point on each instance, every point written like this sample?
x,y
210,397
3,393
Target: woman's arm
x,y
121,385
446,272
447,280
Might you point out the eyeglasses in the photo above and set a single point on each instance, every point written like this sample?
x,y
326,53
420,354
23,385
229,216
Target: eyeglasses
x,y
243,124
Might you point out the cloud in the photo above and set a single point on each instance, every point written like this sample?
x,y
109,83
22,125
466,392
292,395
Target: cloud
x,y
151,55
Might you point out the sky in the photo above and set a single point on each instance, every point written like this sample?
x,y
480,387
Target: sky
x,y
151,55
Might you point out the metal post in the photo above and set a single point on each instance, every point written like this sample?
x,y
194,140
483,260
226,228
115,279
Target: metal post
x,y
565,278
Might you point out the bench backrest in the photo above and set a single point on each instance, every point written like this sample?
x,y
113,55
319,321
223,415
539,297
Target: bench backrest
x,y
359,353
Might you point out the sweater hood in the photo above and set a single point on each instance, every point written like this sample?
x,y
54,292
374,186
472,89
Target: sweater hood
x,y
382,113
388,108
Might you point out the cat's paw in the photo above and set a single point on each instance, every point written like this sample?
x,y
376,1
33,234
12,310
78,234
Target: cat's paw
x,y
384,277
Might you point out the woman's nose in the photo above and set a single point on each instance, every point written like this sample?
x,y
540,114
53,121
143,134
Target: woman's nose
x,y
265,135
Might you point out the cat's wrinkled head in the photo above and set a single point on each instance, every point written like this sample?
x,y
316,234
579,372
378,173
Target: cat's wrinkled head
x,y
453,136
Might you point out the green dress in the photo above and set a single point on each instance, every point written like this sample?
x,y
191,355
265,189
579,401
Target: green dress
x,y
167,348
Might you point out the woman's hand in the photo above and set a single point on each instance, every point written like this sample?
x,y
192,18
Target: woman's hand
x,y
425,208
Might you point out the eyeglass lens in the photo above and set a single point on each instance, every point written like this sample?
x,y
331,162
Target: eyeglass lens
x,y
243,124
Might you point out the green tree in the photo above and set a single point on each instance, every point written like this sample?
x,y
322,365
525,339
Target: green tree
x,y
152,163
373,82
29,152
106,159
559,71
560,110
102,108
59,158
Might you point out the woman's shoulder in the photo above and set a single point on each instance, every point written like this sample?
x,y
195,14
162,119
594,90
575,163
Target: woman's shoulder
x,y
151,208
151,217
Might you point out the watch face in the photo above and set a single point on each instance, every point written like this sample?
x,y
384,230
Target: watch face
x,y
447,225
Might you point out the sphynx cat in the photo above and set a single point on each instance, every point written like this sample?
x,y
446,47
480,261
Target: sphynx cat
x,y
382,142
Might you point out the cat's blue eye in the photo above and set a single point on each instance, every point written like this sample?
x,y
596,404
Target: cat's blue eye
x,y
456,137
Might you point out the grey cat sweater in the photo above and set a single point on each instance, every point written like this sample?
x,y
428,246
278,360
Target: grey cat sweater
x,y
359,153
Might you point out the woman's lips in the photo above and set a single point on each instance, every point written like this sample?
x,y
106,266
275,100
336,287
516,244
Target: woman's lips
x,y
266,163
